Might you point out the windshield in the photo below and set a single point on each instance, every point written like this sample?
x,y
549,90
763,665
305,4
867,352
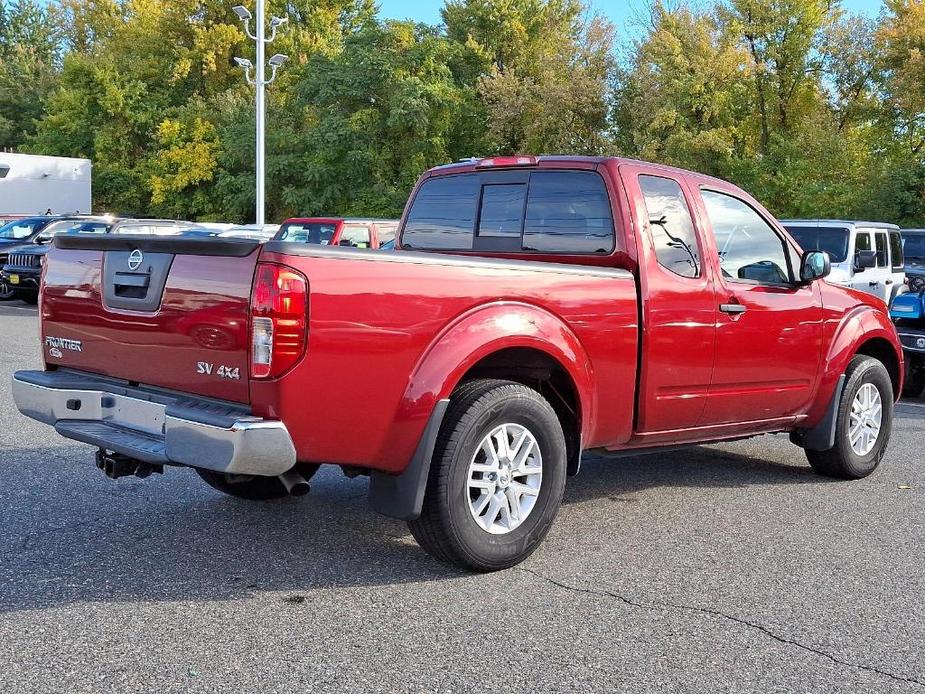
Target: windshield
x,y
914,246
832,240
20,228
59,227
307,232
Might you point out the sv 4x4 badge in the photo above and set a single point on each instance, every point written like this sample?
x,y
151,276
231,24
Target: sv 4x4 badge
x,y
206,369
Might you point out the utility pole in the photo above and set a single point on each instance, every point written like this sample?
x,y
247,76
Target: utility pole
x,y
260,82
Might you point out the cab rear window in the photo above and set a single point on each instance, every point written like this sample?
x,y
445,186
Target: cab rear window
x,y
563,212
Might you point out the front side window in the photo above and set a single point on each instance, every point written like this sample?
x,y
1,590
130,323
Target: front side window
x,y
355,236
914,246
671,225
749,248
896,251
832,240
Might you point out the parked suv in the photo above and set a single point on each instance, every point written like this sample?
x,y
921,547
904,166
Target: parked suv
x,y
27,239
865,255
339,231
21,270
914,253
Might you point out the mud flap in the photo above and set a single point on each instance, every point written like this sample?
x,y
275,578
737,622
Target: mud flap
x,y
822,436
401,496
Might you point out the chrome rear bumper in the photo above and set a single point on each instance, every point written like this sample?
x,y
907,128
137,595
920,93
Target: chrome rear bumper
x,y
154,426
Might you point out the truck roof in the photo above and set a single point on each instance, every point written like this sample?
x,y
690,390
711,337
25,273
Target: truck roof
x,y
358,220
475,163
841,223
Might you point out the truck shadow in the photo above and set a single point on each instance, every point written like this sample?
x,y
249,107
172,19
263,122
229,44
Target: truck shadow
x,y
70,535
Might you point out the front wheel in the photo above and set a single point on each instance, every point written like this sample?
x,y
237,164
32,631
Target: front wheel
x,y
864,423
496,479
6,292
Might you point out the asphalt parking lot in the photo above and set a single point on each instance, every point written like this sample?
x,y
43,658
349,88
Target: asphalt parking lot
x,y
727,568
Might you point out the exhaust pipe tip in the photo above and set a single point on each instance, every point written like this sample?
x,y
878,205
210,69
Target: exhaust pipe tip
x,y
294,483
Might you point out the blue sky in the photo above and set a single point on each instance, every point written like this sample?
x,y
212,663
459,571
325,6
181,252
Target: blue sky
x,y
621,12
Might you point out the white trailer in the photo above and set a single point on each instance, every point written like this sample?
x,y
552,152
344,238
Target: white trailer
x,y
34,184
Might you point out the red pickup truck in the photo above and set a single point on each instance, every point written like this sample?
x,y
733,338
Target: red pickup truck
x,y
535,308
338,231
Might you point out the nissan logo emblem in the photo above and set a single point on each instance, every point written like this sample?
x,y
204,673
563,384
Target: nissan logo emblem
x,y
920,342
135,259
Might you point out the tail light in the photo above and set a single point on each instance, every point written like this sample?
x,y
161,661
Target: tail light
x,y
279,320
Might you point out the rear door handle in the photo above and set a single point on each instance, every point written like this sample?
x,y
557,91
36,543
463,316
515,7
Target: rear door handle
x,y
732,309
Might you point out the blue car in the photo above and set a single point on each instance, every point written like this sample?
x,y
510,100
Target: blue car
x,y
908,313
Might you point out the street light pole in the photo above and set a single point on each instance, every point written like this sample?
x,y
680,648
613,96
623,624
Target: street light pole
x,y
261,118
260,83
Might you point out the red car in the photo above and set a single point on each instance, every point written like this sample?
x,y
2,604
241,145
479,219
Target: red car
x,y
338,231
534,308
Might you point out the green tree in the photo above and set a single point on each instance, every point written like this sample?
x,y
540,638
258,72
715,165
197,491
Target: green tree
x,y
542,72
367,121
29,59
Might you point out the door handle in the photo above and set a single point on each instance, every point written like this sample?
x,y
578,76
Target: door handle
x,y
888,282
873,284
732,309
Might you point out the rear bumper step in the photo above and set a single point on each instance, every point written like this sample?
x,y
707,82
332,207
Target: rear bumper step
x,y
153,426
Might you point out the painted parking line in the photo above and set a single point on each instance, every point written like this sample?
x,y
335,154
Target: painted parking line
x,y
903,403
27,309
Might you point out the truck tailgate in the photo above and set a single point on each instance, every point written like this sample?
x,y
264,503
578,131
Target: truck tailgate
x,y
162,311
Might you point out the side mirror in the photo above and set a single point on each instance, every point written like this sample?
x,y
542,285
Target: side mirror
x,y
815,266
864,260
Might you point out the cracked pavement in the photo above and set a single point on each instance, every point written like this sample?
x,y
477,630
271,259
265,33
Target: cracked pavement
x,y
729,568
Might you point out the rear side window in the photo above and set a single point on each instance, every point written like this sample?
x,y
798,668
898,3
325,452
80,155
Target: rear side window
x,y
896,250
562,212
319,233
671,226
443,213
386,232
881,249
355,236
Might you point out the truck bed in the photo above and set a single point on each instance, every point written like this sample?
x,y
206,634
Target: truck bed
x,y
374,318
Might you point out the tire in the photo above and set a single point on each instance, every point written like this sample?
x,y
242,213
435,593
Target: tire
x,y
489,411
28,297
843,461
252,487
914,382
7,293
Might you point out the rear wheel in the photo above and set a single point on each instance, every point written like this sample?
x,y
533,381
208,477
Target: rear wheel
x,y
496,479
253,487
864,423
